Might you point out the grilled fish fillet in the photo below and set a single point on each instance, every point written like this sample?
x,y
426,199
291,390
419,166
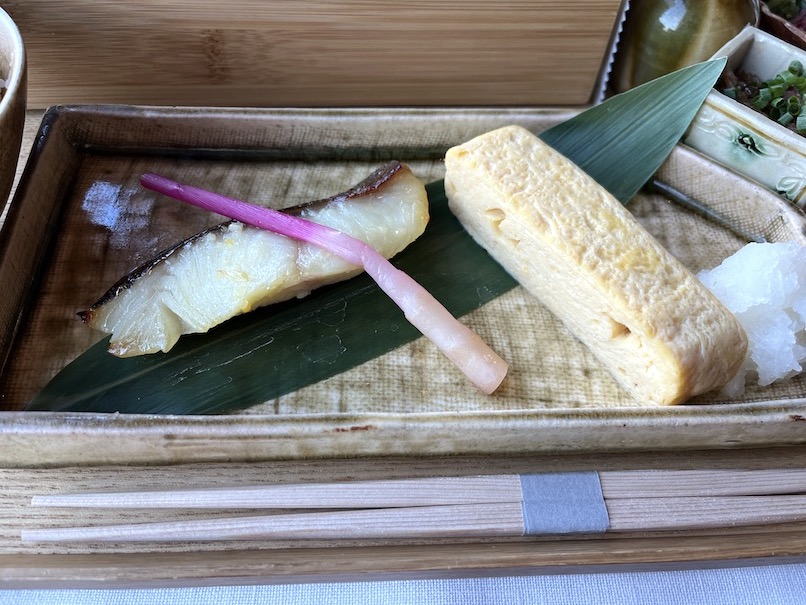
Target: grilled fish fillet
x,y
233,268
570,243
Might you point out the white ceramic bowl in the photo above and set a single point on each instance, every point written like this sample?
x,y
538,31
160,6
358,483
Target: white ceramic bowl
x,y
743,139
13,72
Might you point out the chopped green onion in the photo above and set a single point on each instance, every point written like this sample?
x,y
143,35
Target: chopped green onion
x,y
785,118
787,77
796,67
786,9
800,124
763,99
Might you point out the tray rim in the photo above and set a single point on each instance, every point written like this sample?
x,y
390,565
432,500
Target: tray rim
x,y
250,437
339,561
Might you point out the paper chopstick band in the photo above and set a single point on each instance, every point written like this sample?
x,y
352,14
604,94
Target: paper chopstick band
x,y
563,503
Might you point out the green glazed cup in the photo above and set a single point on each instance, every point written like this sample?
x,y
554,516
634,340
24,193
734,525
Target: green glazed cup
x,y
661,36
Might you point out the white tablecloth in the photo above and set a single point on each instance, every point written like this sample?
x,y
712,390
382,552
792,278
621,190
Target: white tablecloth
x,y
783,584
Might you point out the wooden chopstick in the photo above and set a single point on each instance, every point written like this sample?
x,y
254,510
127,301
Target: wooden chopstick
x,y
479,506
702,482
432,491
465,520
353,494
461,520
693,512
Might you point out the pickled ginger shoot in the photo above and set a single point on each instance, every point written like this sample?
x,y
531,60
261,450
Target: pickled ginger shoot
x,y
482,366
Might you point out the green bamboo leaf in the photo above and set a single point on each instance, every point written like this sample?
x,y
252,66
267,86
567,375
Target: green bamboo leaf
x,y
279,349
622,142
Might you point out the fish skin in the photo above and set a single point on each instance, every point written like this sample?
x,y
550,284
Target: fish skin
x,y
234,268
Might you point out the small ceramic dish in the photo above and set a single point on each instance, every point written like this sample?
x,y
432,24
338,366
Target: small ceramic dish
x,y
13,95
744,139
781,28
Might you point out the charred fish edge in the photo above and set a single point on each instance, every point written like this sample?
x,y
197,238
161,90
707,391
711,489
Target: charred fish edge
x,y
372,183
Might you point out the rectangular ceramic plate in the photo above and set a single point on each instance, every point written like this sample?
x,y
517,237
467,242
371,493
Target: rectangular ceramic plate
x,y
79,221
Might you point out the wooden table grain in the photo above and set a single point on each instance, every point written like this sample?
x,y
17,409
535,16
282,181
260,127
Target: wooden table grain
x,y
312,54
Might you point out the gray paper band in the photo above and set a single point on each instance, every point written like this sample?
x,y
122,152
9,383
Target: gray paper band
x,y
563,503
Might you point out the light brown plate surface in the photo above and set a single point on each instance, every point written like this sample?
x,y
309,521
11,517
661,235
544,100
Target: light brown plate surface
x,y
79,221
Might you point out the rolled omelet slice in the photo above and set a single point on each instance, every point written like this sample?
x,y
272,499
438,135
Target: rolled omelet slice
x,y
571,244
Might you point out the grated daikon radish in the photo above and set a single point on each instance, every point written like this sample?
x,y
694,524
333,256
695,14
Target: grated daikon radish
x,y
764,286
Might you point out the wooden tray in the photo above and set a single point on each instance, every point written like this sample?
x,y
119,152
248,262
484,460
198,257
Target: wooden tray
x,y
144,565
44,453
79,220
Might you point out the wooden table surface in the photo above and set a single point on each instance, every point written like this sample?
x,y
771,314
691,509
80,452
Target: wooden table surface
x,y
254,53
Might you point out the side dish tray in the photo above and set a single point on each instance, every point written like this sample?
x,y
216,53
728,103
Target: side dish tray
x,y
79,220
